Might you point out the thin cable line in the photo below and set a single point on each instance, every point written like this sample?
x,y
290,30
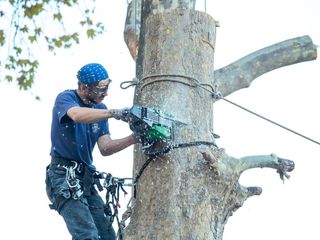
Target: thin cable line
x,y
279,125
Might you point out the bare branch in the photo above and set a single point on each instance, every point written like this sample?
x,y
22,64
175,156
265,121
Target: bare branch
x,y
133,19
242,72
132,27
271,161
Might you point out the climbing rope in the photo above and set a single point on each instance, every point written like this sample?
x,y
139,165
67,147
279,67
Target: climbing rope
x,y
193,82
182,79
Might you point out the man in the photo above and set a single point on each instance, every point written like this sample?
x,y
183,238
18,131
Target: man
x,y
79,121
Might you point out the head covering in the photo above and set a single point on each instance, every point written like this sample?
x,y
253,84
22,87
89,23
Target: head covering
x,y
92,73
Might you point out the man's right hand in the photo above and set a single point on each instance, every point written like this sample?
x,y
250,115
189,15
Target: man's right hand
x,y
121,114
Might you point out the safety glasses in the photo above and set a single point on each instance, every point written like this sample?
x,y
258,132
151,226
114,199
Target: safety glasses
x,y
99,89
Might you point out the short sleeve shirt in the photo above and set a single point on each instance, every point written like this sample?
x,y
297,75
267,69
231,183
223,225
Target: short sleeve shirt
x,y
73,140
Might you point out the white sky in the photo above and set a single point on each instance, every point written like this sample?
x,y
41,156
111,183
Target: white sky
x,y
288,96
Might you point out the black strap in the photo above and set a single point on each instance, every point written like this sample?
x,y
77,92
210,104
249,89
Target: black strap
x,y
63,161
153,155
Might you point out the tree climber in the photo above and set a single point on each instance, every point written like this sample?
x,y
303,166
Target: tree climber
x,y
79,121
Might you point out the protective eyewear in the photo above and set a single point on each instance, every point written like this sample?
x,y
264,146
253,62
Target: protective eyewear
x,y
99,89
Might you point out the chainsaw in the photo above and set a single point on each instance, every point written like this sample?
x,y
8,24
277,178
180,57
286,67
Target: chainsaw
x,y
152,125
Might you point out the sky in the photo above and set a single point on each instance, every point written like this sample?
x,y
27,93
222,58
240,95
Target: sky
x,y
289,96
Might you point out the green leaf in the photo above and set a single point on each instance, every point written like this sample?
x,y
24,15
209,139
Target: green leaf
x,y
7,66
18,50
2,38
9,78
91,33
24,29
58,43
67,45
75,37
57,16
38,31
51,48
33,38
23,62
89,21
33,10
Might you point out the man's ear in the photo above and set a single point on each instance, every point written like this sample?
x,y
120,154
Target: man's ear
x,y
82,87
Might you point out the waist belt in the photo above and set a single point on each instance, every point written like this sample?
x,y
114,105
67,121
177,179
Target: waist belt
x,y
89,178
69,163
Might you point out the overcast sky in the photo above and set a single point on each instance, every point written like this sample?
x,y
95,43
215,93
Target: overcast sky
x,y
288,95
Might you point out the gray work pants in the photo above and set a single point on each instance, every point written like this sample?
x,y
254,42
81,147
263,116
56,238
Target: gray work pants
x,y
84,217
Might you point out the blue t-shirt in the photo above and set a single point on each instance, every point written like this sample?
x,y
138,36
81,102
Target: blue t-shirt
x,y
70,139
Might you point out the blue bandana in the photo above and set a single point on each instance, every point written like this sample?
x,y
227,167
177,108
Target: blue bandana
x,y
92,73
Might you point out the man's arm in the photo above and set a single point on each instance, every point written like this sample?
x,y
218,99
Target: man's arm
x,y
108,146
88,115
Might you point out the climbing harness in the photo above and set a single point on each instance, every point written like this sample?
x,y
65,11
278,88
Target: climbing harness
x,y
74,171
72,181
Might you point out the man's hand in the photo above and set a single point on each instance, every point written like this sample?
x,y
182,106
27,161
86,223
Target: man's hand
x,y
137,137
121,114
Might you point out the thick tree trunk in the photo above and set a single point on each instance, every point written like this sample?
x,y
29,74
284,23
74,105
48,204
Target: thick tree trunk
x,y
178,195
190,192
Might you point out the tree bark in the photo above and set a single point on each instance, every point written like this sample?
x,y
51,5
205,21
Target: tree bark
x,y
190,192
175,192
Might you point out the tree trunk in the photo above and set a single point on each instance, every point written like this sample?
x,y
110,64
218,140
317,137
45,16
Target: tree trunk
x,y
179,196
190,192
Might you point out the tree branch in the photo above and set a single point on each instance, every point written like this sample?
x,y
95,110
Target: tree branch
x,y
132,27
271,161
133,19
242,72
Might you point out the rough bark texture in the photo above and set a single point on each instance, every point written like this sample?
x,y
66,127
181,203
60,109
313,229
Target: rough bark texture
x,y
190,192
178,192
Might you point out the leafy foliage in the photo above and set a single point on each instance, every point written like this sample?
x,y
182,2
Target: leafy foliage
x,y
30,24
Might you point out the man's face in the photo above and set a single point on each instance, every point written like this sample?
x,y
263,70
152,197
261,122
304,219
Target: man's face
x,y
98,92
